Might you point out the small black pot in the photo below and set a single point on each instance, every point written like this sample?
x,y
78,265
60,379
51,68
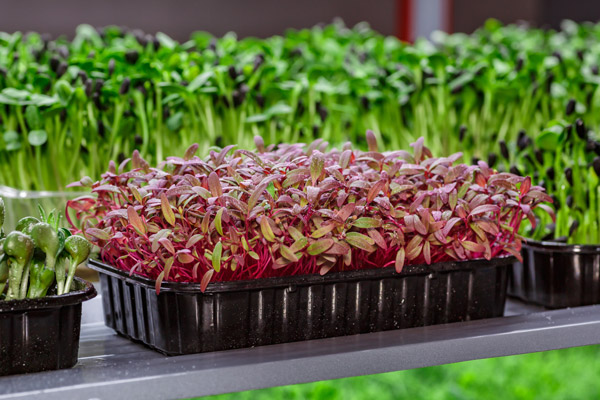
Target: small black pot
x,y
557,275
42,334
228,315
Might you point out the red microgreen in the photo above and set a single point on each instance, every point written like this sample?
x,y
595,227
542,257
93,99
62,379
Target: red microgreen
x,y
298,210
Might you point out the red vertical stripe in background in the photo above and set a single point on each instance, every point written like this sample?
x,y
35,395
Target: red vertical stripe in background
x,y
404,25
449,14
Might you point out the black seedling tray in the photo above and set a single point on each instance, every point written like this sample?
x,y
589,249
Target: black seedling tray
x,y
228,315
557,275
42,334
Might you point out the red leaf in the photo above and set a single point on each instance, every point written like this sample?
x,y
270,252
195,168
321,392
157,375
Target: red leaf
x,y
189,153
344,213
214,184
135,221
419,226
525,186
374,191
185,258
549,210
480,179
167,245
451,222
514,252
377,238
317,163
325,269
206,279
427,252
484,209
371,140
345,157
106,188
98,234
399,264
159,280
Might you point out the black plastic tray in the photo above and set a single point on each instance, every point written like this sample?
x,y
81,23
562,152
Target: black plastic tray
x,y
557,275
42,334
182,320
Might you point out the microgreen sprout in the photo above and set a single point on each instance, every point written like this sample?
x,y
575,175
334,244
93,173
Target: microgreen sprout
x,y
67,107
36,255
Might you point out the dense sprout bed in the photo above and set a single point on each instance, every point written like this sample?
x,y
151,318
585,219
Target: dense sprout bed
x,y
296,209
68,107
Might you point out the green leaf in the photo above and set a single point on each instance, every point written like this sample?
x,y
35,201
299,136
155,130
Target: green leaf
x,y
295,233
549,139
266,230
218,223
216,256
12,140
199,81
136,194
42,100
17,94
166,41
168,265
299,244
33,117
64,91
320,246
366,222
323,230
167,211
37,137
288,253
472,246
360,241
256,118
279,109
175,121
414,247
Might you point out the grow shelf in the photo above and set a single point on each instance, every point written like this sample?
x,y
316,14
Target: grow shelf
x,y
112,367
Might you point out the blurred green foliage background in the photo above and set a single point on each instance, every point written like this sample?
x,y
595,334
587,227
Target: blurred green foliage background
x,y
561,374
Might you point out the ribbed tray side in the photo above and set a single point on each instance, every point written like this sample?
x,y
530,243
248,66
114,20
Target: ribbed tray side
x,y
182,323
556,278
